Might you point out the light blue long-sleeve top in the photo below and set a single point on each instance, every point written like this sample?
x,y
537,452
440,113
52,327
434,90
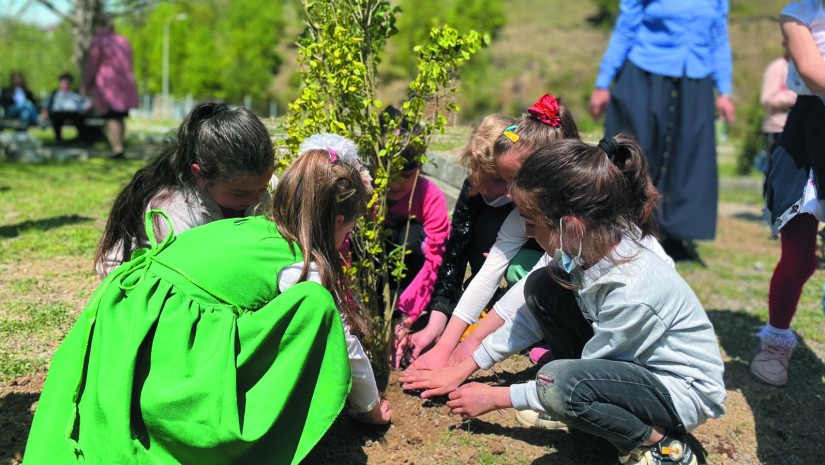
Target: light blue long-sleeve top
x,y
671,38
641,311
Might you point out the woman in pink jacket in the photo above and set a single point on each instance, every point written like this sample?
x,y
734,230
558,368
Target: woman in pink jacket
x,y
109,79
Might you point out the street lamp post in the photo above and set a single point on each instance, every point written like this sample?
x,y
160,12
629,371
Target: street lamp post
x,y
165,77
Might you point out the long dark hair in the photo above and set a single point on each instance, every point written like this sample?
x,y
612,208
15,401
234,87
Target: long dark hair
x,y
227,143
310,194
606,187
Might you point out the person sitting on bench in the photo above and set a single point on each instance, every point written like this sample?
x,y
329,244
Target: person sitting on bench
x,y
18,101
65,105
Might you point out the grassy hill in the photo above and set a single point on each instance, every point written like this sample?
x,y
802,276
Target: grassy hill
x,y
549,45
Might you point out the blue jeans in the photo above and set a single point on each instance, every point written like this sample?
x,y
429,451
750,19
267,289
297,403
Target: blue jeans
x,y
26,112
619,401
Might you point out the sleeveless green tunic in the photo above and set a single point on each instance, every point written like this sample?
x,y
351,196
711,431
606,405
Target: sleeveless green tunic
x,y
188,353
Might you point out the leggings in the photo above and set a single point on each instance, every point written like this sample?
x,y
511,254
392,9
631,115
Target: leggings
x,y
796,265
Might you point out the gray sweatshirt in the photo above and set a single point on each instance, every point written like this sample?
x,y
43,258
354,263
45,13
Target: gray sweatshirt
x,y
641,311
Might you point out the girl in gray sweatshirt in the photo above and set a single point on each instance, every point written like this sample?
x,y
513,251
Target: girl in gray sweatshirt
x,y
637,361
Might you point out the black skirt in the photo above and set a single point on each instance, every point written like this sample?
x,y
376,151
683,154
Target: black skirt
x,y
800,148
673,121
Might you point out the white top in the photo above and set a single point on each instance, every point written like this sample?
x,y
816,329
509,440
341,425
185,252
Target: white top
x,y
812,14
511,237
186,209
68,101
641,311
364,395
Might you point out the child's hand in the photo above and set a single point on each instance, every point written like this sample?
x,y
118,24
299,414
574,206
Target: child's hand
x,y
474,399
381,414
462,352
401,346
433,359
438,382
421,341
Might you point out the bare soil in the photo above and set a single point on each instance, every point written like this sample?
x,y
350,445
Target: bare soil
x,y
763,425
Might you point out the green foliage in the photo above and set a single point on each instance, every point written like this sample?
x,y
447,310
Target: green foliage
x,y
487,17
250,32
339,54
224,50
753,140
40,55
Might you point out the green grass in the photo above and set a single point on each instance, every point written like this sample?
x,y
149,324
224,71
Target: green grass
x,y
54,214
31,330
57,208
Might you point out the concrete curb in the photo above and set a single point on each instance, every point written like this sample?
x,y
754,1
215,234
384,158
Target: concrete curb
x,y
446,172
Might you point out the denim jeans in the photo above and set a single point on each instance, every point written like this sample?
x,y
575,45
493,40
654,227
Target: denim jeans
x,y
26,113
557,311
619,401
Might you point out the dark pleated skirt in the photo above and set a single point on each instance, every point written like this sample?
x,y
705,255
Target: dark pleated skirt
x,y
673,120
800,148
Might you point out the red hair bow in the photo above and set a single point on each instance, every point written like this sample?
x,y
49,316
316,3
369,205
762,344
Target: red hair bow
x,y
546,110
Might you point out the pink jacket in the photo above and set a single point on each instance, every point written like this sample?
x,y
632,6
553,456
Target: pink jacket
x,y
429,207
108,75
776,97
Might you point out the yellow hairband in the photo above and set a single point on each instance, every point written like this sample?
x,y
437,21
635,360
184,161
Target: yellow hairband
x,y
508,133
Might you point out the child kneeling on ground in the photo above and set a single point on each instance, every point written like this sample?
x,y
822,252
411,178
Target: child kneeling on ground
x,y
637,361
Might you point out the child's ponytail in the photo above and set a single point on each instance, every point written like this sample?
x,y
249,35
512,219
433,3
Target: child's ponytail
x,y
626,154
606,187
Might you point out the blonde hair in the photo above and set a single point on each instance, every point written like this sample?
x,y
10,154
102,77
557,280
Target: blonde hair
x,y
477,158
311,193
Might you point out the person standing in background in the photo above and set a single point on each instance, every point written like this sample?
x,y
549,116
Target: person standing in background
x,y
109,79
664,58
794,193
776,98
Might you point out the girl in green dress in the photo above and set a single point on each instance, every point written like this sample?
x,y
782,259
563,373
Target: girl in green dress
x,y
205,349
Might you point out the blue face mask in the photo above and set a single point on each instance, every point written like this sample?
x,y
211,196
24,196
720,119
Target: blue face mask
x,y
561,257
499,202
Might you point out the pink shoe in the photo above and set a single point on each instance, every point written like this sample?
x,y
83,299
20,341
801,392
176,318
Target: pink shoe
x,y
541,354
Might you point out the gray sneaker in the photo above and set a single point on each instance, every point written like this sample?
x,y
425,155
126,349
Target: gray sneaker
x,y
541,420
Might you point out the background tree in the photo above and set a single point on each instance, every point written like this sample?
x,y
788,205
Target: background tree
x,y
477,96
82,16
223,50
41,55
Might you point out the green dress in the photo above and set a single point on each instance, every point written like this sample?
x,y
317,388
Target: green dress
x,y
188,353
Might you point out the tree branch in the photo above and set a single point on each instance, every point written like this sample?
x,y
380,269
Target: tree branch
x,y
63,15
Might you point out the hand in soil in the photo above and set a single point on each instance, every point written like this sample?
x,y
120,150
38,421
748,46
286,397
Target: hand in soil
x,y
381,414
439,381
432,359
474,399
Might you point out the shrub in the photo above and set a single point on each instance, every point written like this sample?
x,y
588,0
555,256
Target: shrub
x,y
339,53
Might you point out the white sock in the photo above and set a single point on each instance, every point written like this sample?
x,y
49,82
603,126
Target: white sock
x,y
776,336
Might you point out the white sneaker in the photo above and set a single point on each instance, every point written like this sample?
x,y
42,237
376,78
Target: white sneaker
x,y
770,365
541,420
